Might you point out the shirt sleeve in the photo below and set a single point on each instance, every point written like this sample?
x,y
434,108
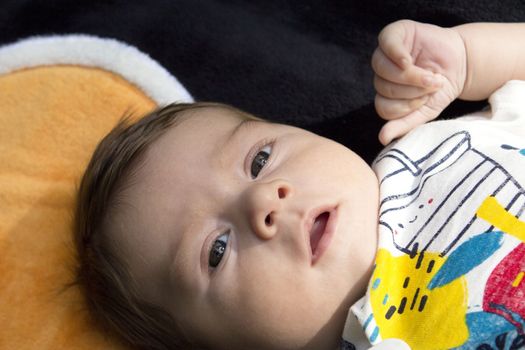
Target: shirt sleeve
x,y
507,109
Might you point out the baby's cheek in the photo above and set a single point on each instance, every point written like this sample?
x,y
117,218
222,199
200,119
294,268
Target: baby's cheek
x,y
276,307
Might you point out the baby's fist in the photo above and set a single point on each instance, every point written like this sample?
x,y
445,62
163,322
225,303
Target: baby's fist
x,y
419,70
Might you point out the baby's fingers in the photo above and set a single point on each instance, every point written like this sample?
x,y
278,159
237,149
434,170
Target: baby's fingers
x,y
396,108
408,75
397,91
399,127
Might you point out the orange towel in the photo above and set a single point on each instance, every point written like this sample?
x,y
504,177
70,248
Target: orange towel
x,y
51,118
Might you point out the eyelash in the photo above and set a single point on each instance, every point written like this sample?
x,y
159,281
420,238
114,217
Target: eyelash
x,y
255,151
224,246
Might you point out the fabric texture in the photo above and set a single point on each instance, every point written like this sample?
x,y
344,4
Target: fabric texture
x,y
450,268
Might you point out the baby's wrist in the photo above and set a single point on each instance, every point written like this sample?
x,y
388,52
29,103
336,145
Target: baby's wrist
x,y
464,82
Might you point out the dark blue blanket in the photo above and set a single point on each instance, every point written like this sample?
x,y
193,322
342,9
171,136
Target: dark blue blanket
x,y
303,62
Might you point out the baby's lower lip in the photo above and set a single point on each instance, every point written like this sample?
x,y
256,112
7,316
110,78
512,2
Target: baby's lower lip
x,y
326,237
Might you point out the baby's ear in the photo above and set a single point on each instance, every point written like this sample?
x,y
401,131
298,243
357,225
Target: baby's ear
x,y
391,344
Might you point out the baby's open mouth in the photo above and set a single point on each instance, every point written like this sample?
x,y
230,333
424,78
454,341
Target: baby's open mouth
x,y
317,231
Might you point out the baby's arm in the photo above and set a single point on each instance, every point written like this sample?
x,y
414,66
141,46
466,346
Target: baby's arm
x,y
495,55
421,68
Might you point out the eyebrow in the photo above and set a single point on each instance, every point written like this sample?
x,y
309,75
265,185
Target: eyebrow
x,y
237,130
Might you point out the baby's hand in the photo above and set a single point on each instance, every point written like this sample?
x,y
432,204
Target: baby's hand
x,y
419,70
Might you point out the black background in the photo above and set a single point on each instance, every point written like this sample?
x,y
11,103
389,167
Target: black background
x,y
299,62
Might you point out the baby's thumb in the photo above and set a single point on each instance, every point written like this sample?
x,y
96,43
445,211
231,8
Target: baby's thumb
x,y
399,127
389,132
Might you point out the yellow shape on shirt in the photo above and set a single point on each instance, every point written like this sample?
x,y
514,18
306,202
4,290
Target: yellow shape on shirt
x,y
405,308
494,213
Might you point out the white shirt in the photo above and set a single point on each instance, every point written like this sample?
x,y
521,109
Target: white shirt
x,y
450,264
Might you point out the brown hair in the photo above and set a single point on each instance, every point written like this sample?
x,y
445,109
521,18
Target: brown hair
x,y
104,278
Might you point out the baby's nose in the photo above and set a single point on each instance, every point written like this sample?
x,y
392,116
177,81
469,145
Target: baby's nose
x,y
264,203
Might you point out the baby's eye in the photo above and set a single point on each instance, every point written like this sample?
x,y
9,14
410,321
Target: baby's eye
x,y
259,161
217,250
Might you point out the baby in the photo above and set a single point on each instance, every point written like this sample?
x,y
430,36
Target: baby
x,y
201,226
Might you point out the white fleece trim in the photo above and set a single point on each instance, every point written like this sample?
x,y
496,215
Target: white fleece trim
x,y
109,54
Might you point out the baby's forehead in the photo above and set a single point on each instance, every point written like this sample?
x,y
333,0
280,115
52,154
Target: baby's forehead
x,y
203,128
215,114
200,127
196,133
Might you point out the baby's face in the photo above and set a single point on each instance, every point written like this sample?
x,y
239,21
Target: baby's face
x,y
251,234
